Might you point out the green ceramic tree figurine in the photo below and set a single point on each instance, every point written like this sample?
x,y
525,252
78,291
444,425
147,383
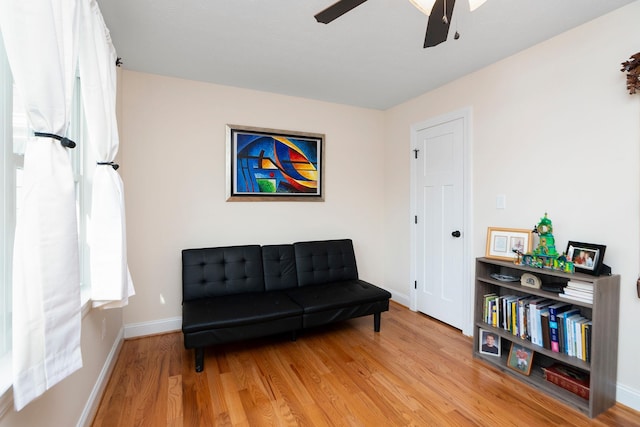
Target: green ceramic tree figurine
x,y
547,244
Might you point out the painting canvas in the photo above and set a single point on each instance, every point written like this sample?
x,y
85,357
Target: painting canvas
x,y
269,164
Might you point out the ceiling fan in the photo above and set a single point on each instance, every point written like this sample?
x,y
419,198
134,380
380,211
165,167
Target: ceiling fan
x,y
439,12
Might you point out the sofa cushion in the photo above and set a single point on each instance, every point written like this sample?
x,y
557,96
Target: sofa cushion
x,y
236,310
279,264
330,296
325,262
220,271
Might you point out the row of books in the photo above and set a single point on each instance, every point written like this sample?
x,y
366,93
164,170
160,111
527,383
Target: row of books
x,y
578,291
556,326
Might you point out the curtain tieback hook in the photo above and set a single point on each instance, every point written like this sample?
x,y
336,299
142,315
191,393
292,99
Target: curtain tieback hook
x,y
115,166
64,141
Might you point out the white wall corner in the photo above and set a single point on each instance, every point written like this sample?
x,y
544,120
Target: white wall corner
x,y
403,299
628,396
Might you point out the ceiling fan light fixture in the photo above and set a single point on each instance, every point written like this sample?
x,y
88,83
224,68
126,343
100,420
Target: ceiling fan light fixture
x,y
474,4
424,6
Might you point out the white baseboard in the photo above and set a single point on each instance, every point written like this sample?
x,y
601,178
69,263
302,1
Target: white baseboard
x,y
401,299
628,396
91,407
152,328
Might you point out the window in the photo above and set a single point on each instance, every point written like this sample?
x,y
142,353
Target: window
x,y
9,175
14,132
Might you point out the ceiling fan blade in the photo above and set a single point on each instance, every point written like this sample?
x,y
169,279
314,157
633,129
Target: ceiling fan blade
x,y
437,27
336,10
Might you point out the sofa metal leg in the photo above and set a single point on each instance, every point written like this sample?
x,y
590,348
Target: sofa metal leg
x,y
294,335
199,359
376,321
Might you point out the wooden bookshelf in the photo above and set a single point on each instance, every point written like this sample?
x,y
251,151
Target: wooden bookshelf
x,y
604,313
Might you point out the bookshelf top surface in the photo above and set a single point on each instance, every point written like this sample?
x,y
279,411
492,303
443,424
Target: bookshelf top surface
x,y
546,271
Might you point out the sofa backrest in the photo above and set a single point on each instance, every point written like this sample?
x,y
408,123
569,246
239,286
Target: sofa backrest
x,y
325,261
279,264
210,272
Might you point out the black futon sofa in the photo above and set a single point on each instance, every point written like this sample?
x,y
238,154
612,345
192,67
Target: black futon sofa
x,y
238,292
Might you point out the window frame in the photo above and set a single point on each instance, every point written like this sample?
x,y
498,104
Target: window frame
x,y
7,221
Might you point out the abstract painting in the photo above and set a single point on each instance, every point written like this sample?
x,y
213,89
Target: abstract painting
x,y
270,164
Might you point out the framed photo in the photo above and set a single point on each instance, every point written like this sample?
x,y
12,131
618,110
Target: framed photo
x,y
505,243
489,343
520,359
274,165
586,257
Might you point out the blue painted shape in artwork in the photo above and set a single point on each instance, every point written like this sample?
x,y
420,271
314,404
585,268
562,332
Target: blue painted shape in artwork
x,y
252,149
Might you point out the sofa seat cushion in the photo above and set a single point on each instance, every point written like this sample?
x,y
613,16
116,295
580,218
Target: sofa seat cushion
x,y
330,296
236,310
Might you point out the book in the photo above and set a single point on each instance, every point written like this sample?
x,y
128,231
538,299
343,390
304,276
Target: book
x,y
544,323
575,284
514,316
494,312
576,298
563,339
578,293
536,307
554,310
523,323
568,378
573,335
579,338
587,340
506,311
486,314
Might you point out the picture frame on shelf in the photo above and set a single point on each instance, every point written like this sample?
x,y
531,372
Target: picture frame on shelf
x,y
586,257
520,359
505,243
274,165
489,343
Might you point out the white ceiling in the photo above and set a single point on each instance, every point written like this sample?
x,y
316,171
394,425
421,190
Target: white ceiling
x,y
370,57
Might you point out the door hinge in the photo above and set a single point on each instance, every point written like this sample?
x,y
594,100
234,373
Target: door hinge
x,y
415,153
415,285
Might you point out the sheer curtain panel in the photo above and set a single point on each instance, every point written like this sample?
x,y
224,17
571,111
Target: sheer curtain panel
x,y
41,42
111,283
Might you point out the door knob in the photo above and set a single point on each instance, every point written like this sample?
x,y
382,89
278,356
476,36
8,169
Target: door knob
x,y
455,233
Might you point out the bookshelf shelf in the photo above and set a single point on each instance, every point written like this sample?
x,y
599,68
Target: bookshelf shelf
x,y
603,312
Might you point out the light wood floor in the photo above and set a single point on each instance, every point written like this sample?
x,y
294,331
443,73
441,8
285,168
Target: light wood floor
x,y
415,372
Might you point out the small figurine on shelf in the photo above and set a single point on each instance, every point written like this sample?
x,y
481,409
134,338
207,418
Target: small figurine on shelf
x,y
562,264
545,254
547,244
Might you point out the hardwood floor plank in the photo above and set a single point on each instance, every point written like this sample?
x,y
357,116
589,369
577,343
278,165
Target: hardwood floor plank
x,y
415,372
233,400
174,401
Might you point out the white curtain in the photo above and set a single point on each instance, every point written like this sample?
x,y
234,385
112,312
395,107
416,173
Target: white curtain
x,y
41,43
111,283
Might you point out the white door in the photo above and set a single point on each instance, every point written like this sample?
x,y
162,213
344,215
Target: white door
x,y
439,220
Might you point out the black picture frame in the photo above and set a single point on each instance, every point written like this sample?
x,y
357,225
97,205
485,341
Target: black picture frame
x,y
586,257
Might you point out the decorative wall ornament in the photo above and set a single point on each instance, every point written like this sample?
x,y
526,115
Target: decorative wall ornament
x,y
632,68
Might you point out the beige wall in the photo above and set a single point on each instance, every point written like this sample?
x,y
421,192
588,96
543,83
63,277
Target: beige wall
x,y
173,135
555,130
